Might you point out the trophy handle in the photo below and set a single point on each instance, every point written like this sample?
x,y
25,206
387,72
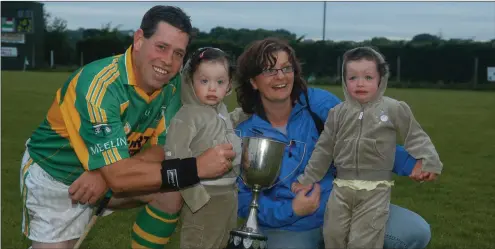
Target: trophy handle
x,y
294,170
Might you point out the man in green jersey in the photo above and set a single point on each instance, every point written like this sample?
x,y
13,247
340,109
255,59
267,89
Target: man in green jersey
x,y
93,133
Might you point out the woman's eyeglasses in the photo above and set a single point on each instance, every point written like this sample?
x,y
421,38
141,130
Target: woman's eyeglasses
x,y
274,71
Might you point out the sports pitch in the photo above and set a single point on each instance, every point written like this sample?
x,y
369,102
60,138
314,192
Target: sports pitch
x,y
459,206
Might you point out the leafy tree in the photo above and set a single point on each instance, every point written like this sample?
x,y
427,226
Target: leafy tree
x,y
56,39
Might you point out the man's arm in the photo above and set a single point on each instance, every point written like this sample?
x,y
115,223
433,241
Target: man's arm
x,y
132,175
135,175
154,153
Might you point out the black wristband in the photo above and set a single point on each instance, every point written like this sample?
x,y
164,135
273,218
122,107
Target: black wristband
x,y
178,174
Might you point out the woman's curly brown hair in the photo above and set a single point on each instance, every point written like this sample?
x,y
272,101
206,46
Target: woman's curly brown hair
x,y
260,55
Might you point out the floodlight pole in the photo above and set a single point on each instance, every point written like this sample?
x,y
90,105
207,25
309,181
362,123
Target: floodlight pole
x,y
324,17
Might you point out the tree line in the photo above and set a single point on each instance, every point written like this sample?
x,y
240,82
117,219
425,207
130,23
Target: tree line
x,y
426,60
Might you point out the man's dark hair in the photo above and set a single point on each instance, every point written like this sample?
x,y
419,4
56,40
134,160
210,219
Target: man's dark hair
x,y
367,53
259,55
169,14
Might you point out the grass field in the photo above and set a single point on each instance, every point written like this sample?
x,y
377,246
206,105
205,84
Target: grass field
x,y
460,206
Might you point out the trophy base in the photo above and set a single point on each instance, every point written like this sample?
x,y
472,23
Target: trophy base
x,y
245,240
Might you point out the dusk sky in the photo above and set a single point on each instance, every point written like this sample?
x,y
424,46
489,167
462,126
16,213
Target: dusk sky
x,y
344,21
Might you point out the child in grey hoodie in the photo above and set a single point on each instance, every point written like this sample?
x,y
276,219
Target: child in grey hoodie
x,y
201,123
360,137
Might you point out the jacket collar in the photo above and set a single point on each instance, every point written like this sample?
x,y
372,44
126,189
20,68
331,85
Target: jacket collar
x,y
299,104
262,125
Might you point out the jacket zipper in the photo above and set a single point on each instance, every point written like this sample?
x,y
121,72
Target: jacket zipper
x,y
224,122
361,114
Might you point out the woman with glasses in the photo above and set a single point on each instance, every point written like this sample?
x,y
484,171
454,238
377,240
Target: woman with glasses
x,y
283,108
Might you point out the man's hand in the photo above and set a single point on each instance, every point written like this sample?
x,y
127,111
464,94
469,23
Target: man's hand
x,y
305,205
215,161
88,188
296,187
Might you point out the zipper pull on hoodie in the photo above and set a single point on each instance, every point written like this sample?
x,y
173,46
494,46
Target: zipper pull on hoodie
x,y
361,115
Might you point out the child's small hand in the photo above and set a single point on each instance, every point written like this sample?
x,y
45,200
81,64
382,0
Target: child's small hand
x,y
417,170
419,175
428,176
296,187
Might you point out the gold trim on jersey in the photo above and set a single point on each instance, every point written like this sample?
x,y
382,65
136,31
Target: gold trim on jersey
x,y
55,119
73,121
97,90
123,107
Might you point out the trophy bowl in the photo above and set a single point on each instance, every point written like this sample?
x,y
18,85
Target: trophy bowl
x,y
261,161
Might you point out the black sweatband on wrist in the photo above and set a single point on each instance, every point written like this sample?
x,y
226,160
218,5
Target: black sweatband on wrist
x,y
178,174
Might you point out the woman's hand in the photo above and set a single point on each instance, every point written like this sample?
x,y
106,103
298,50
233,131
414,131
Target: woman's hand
x,y
305,205
296,187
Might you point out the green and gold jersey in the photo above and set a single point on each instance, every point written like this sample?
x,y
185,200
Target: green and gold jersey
x,y
101,116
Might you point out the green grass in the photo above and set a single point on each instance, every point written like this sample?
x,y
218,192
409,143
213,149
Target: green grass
x,y
459,206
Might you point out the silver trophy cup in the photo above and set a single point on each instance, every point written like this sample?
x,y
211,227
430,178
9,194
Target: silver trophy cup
x,y
261,161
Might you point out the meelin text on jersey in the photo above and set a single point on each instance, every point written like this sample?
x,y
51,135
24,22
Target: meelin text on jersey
x,y
99,148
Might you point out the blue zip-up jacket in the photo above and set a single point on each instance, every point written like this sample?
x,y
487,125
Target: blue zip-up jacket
x,y
275,204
